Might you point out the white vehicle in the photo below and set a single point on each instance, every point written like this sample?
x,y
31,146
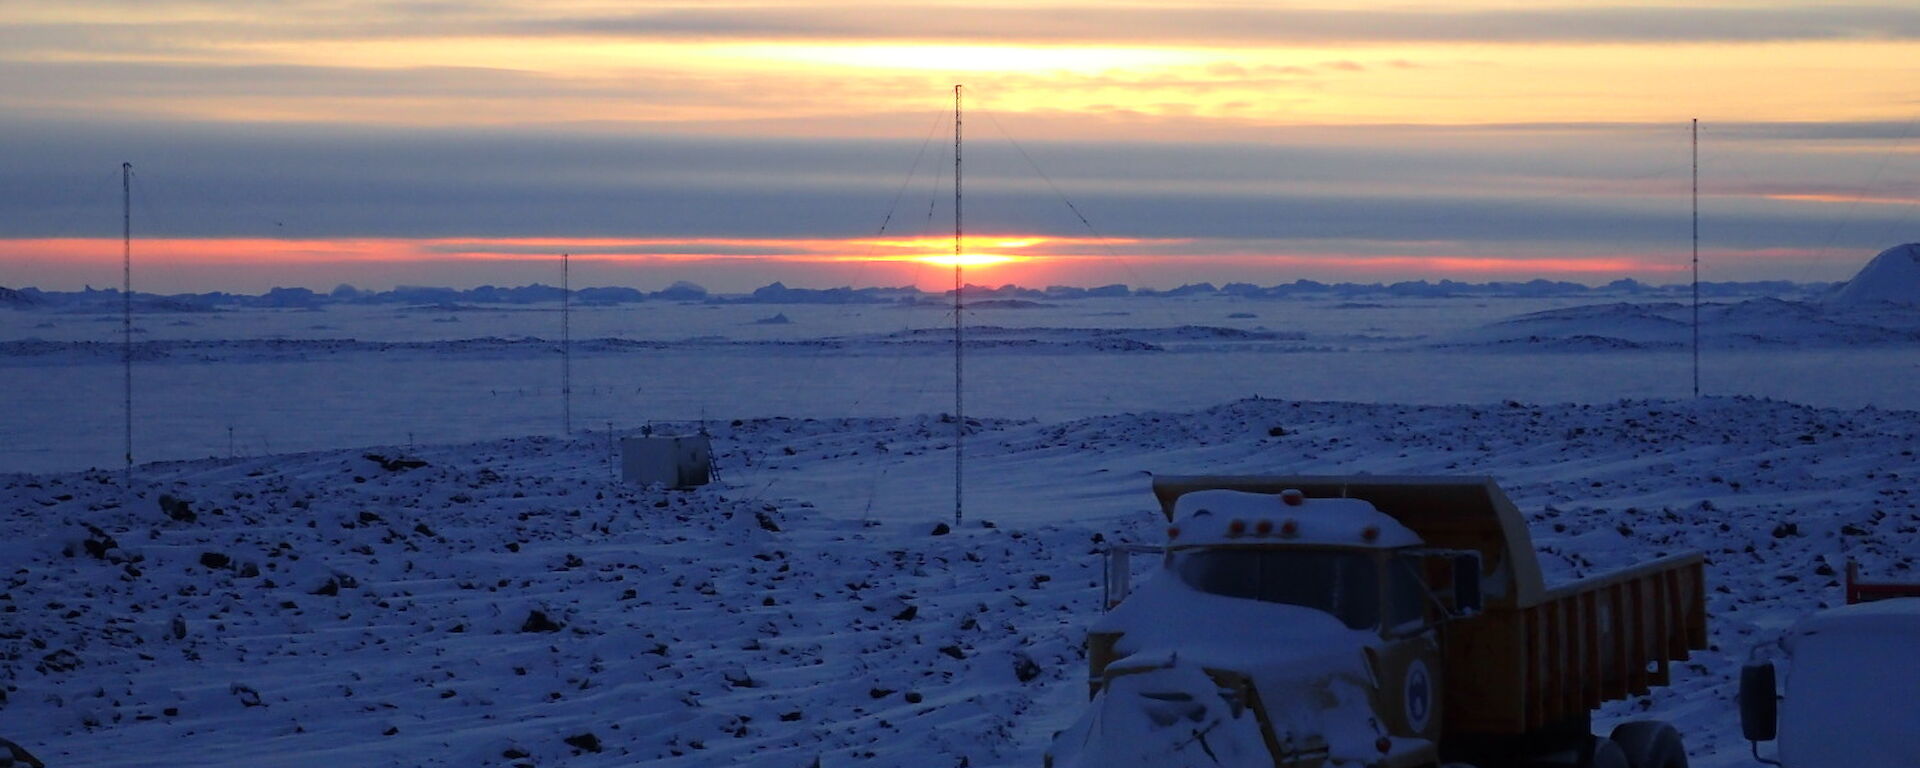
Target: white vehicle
x,y
1852,685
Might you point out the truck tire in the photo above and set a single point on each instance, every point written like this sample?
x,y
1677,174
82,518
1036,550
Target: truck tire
x,y
1651,744
1604,753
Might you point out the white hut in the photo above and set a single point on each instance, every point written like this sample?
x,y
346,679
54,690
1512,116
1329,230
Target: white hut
x,y
677,461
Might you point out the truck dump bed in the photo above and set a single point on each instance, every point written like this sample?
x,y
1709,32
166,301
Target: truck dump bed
x,y
1598,639
1537,656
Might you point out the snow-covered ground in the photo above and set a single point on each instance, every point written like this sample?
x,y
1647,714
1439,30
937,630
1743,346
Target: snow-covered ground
x,y
509,598
324,609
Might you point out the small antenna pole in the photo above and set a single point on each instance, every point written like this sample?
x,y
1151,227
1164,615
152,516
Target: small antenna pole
x,y
959,413
126,311
1696,257
566,345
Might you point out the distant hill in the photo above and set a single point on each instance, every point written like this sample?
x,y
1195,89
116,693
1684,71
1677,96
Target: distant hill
x,y
1891,277
12,298
1752,323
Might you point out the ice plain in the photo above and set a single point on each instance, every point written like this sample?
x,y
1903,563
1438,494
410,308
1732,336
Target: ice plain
x,y
320,608
292,380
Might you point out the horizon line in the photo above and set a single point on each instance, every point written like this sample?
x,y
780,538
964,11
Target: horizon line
x,y
687,287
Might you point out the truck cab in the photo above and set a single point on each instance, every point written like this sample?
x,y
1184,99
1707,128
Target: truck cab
x,y
1302,621
1852,690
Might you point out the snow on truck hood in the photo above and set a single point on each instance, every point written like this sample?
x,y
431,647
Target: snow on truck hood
x,y
1308,667
1161,717
1229,518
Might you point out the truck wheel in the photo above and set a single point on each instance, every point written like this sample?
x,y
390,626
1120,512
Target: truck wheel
x,y
1603,753
1651,744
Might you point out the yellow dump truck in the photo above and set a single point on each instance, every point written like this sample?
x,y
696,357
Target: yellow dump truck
x,y
1377,621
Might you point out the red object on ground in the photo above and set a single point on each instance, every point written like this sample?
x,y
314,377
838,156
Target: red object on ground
x,y
1867,592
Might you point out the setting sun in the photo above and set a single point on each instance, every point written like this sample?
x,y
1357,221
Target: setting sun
x,y
968,259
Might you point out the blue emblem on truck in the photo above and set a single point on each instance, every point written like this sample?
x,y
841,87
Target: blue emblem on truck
x,y
1418,696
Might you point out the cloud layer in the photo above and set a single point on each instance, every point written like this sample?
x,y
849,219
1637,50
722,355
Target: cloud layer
x,y
1214,134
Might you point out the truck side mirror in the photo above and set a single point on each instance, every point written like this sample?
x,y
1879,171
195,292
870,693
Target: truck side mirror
x,y
1759,704
1119,573
1466,583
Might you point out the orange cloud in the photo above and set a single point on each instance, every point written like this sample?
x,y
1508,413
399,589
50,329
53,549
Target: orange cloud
x,y
1468,265
1813,197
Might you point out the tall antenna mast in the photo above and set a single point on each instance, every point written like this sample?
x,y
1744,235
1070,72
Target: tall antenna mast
x,y
126,310
1696,257
959,414
566,345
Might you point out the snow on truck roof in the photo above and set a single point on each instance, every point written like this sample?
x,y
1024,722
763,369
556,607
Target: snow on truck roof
x,y
1224,518
1852,688
1893,616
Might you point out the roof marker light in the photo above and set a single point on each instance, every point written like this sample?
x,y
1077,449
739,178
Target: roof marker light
x,y
1263,527
1289,529
1236,528
1370,532
1173,531
1293,497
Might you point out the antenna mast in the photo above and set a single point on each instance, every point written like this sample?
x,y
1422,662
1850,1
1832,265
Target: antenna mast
x,y
1696,257
959,414
126,310
566,345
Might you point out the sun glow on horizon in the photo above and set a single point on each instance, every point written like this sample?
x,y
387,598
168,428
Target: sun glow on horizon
x,y
970,259
739,265
989,241
1045,258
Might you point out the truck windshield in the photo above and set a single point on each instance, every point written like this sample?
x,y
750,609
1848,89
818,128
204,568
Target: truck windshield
x,y
1344,584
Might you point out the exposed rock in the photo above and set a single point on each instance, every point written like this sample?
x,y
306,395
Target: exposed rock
x,y
537,621
394,464
179,510
585,742
1025,668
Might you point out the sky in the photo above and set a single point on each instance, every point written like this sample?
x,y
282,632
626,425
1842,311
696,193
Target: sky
x,y
319,142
